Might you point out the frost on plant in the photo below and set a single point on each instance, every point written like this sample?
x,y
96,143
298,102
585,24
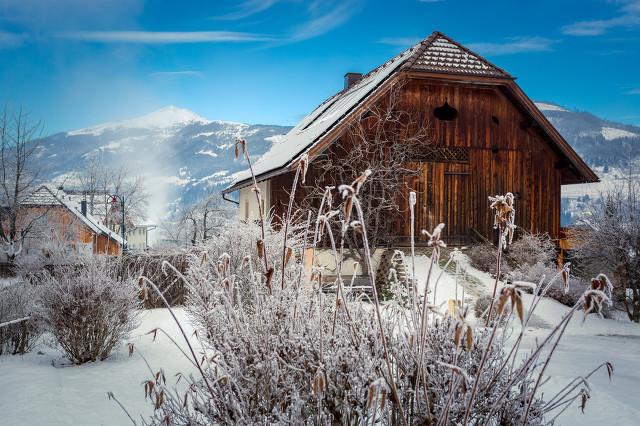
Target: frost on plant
x,y
293,354
87,307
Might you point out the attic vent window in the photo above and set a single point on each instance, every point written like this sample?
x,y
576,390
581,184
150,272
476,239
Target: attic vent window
x,y
445,112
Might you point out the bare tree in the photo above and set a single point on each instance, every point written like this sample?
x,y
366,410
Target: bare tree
x,y
205,218
200,221
90,179
98,182
385,138
19,175
610,240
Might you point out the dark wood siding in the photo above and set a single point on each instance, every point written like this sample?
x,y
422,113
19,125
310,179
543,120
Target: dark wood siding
x,y
503,153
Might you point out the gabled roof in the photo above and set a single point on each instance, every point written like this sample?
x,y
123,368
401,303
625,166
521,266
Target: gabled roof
x,y
440,54
437,54
44,196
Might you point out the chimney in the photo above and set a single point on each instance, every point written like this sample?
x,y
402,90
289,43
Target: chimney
x,y
83,207
351,78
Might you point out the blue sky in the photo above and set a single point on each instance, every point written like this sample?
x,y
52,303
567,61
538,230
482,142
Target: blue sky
x,y
272,61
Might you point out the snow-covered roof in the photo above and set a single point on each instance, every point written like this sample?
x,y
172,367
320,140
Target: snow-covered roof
x,y
44,196
436,53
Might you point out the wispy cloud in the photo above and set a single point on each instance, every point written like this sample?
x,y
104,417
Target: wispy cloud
x,y
9,40
514,45
628,16
400,41
248,8
324,21
634,91
162,37
185,73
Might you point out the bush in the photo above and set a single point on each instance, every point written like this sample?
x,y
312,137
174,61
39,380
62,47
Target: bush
x,y
484,257
237,243
168,280
18,300
530,249
88,308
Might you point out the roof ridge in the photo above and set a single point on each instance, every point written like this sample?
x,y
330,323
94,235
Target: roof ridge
x,y
471,52
434,57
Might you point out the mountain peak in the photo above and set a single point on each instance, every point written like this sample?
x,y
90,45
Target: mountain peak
x,y
548,106
163,118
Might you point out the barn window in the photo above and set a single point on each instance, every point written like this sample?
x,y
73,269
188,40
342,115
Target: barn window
x,y
445,112
495,120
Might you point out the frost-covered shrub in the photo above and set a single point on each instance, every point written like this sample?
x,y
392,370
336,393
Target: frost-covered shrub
x,y
484,257
88,308
530,249
572,294
168,280
293,357
18,301
567,295
237,242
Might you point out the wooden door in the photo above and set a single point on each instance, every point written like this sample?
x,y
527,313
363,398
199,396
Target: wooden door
x,y
443,196
457,207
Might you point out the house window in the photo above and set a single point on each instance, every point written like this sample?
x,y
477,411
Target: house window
x,y
445,112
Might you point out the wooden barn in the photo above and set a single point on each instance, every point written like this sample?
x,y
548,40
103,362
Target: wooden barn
x,y
486,137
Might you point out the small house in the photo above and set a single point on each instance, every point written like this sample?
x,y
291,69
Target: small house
x,y
55,216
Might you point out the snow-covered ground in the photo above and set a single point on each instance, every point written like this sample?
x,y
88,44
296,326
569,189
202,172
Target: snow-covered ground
x,y
42,388
584,346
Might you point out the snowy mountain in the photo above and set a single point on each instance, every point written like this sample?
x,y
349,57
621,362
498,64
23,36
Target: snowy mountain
x,y
181,154
608,147
601,143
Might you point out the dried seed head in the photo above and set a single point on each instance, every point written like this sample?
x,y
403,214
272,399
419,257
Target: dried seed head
x,y
357,184
260,248
584,397
435,240
303,165
287,255
240,147
504,218
318,384
269,276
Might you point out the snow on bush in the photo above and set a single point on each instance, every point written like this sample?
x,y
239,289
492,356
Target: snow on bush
x,y
485,257
168,281
88,308
19,331
285,352
530,249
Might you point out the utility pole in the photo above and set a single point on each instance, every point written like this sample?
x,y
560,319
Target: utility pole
x,y
123,223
